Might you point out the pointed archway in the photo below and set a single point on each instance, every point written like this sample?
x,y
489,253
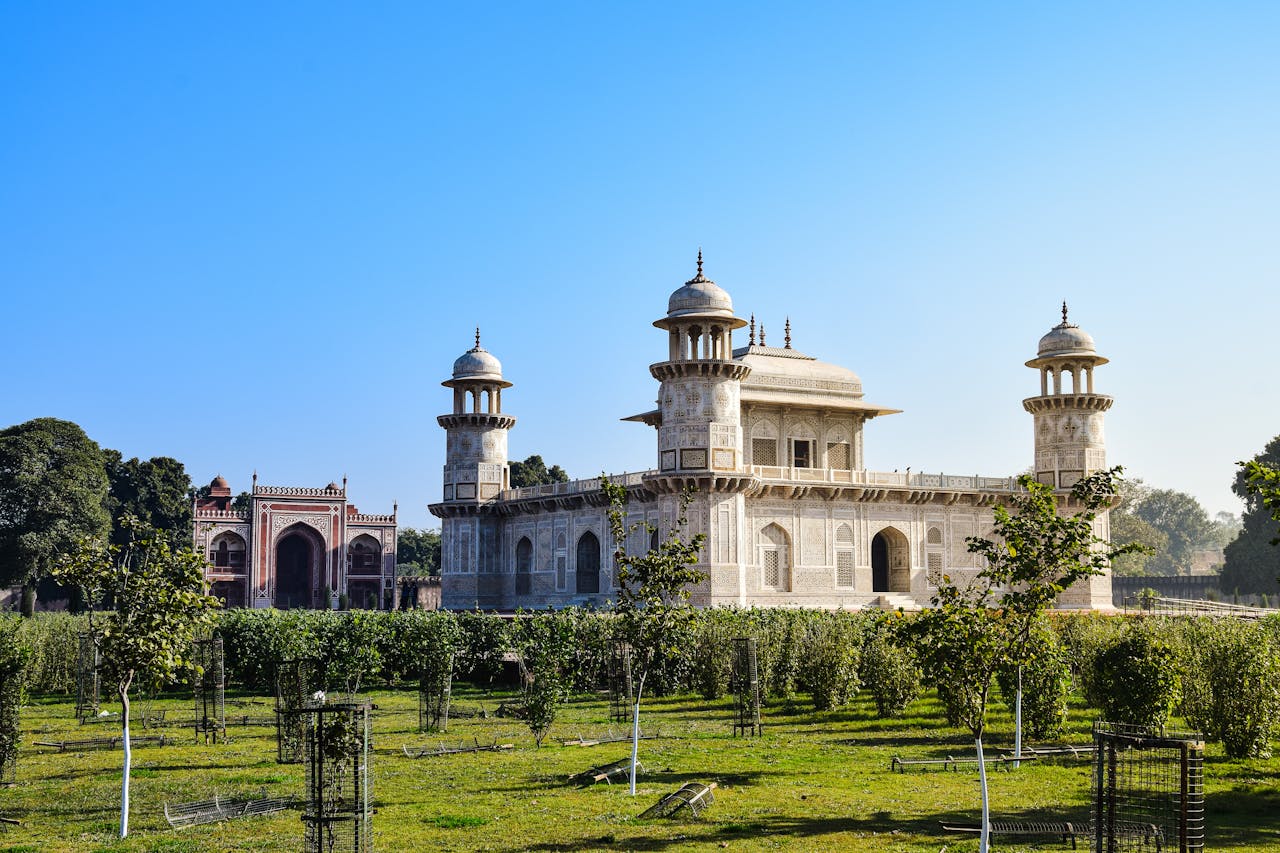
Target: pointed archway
x,y
298,554
890,571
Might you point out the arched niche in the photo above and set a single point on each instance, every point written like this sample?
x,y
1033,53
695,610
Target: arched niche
x,y
890,564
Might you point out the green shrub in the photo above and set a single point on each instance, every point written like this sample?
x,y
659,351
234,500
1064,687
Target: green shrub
x,y
1231,689
54,643
1138,678
829,658
1046,683
889,668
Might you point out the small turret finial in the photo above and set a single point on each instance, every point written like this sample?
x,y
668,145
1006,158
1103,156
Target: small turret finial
x,y
751,338
699,261
762,334
1064,312
477,337
787,334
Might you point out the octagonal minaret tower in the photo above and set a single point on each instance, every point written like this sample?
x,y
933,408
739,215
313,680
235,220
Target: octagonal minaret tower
x,y
1070,441
700,430
476,468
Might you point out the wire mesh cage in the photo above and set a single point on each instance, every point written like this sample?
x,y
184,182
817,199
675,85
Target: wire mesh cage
x,y
88,679
621,689
209,685
435,685
336,814
10,694
1148,790
297,681
746,687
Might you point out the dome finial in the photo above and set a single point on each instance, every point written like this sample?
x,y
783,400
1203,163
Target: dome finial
x,y
787,334
762,334
751,339
699,262
1064,312
477,337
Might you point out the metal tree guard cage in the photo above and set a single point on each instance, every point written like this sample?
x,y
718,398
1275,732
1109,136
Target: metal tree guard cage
x,y
336,813
435,685
297,680
1148,790
621,690
88,679
210,689
746,687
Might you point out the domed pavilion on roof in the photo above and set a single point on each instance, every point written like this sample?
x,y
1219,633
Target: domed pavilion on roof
x,y
771,441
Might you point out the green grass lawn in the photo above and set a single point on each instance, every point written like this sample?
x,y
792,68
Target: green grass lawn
x,y
813,781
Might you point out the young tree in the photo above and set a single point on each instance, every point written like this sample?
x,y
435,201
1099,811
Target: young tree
x,y
972,631
545,643
159,606
53,488
653,589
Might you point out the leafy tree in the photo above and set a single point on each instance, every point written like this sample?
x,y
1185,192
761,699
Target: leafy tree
x,y
1183,520
1137,678
418,551
889,668
159,606
157,492
1127,527
534,472
1252,564
973,631
545,643
53,490
653,590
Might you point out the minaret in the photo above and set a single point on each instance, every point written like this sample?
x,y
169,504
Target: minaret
x,y
1070,441
701,424
475,473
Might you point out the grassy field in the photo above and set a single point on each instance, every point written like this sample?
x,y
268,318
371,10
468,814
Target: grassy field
x,y
813,781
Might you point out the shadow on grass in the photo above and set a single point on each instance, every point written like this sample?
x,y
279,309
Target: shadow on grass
x,y
805,831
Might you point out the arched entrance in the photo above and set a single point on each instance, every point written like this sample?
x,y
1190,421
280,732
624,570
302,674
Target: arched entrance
x,y
889,570
588,566
295,557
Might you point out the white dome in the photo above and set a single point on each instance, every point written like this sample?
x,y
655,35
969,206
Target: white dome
x,y
1064,340
477,363
700,297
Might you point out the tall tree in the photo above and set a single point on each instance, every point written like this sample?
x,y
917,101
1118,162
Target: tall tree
x,y
534,472
156,491
1252,563
418,549
53,491
158,602
1181,518
973,631
653,587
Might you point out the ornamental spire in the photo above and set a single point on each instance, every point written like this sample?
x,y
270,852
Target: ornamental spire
x,y
762,334
787,335
1064,312
751,339
477,337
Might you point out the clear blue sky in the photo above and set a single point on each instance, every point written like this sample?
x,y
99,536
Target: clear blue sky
x,y
254,237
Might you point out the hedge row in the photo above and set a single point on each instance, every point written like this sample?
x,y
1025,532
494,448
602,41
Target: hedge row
x,y
1221,676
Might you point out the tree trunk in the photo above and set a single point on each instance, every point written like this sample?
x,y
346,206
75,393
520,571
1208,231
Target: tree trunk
x,y
1017,730
984,840
635,742
29,598
128,756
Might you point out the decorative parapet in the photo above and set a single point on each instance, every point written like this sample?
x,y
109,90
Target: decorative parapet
x,y
212,514
573,487
367,518
290,491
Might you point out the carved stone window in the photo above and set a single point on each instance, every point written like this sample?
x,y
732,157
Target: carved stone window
x,y
764,451
802,453
838,455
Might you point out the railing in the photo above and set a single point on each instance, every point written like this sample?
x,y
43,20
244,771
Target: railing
x,y
205,514
369,518
285,491
573,487
900,479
